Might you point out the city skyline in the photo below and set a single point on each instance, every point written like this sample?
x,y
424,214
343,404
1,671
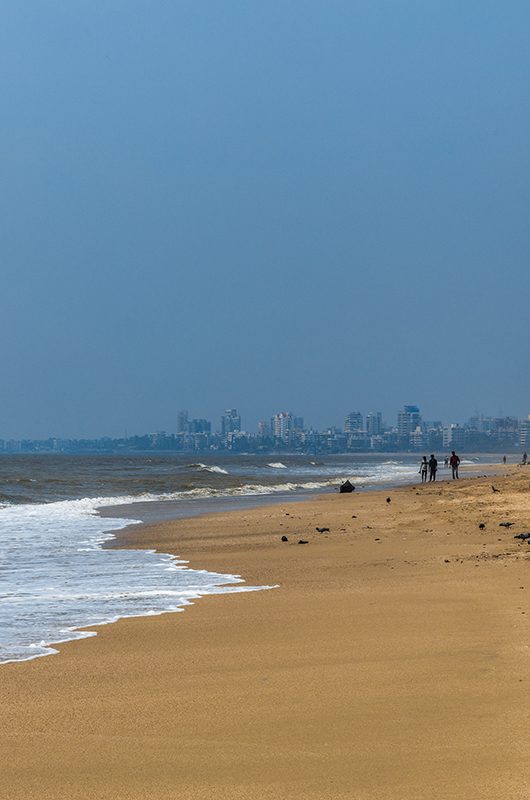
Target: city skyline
x,y
287,431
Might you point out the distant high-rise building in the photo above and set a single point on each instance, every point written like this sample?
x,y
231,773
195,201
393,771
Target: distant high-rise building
x,y
263,429
182,422
374,423
453,436
524,433
353,422
282,425
409,418
230,422
199,426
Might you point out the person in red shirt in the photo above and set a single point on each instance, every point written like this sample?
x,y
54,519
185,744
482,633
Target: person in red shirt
x,y
454,461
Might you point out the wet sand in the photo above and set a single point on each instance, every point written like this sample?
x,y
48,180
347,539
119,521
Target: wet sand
x,y
390,663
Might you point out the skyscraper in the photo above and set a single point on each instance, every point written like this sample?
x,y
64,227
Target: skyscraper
x,y
282,425
182,422
230,422
353,422
374,423
409,418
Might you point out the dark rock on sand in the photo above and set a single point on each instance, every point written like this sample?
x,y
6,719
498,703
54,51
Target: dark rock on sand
x,y
322,530
303,541
347,486
285,539
506,524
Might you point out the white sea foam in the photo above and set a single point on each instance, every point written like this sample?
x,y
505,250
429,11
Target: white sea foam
x,y
56,577
211,468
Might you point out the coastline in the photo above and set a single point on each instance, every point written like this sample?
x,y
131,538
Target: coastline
x,y
390,663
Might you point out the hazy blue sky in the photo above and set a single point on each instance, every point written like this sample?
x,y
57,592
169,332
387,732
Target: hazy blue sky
x,y
311,206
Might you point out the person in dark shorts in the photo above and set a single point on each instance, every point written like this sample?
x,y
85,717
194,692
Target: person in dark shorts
x,y
424,466
433,466
454,462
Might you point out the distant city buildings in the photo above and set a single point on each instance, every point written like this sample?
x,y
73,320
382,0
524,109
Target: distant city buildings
x,y
524,434
287,432
282,426
408,421
230,422
353,422
374,423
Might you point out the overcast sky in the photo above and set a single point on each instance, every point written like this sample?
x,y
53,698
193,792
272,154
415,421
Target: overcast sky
x,y
309,206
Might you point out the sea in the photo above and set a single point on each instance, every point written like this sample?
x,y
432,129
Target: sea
x,y
57,578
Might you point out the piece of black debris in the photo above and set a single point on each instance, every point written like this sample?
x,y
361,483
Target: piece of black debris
x,y
506,524
303,541
494,489
322,530
523,536
388,499
481,525
347,486
285,539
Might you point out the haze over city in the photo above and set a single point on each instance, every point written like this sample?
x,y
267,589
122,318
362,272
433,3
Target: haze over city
x,y
308,206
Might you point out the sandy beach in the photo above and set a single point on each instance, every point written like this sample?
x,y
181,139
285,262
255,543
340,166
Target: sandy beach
x,y
390,663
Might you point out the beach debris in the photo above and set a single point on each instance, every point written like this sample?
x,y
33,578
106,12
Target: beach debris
x,y
303,541
347,486
482,525
354,516
446,561
506,524
388,499
285,539
522,536
322,530
494,489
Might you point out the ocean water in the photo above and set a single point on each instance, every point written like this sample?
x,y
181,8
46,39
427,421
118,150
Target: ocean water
x,y
55,575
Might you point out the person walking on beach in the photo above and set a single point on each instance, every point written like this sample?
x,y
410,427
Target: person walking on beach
x,y
525,458
433,466
424,465
504,460
454,462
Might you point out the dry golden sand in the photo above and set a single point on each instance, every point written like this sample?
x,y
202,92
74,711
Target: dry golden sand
x,y
392,662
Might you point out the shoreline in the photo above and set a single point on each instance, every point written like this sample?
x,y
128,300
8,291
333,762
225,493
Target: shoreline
x,y
154,512
144,514
390,663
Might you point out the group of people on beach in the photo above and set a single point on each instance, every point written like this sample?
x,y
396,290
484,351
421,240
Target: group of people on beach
x,y
430,467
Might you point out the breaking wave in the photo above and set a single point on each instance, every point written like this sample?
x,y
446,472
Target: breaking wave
x,y
210,468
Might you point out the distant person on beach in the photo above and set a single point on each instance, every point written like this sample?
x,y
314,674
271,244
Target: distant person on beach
x,y
446,462
424,465
433,466
454,462
504,460
525,458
